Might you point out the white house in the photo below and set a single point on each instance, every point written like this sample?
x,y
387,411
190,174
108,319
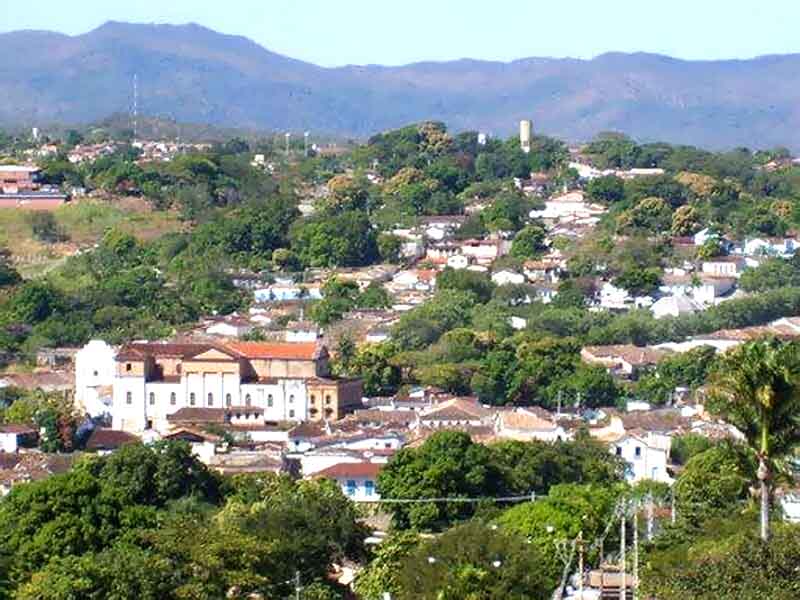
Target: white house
x,y
702,236
94,376
283,292
232,327
770,247
527,424
646,456
13,436
485,251
517,323
704,289
675,306
725,266
508,277
613,297
357,480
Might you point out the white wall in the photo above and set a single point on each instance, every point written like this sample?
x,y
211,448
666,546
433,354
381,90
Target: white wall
x,y
361,492
648,463
8,442
94,368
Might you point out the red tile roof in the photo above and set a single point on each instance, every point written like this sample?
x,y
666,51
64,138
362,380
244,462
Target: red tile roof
x,y
366,470
273,350
142,350
18,429
109,439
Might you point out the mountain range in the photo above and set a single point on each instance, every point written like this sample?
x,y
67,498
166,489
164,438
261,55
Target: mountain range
x,y
193,74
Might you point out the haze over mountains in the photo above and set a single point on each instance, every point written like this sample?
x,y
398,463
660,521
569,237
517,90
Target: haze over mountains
x,y
193,74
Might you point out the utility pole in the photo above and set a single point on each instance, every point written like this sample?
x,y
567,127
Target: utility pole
x,y
287,135
297,585
580,563
623,594
650,517
602,568
635,551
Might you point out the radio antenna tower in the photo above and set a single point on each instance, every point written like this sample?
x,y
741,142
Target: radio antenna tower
x,y
135,106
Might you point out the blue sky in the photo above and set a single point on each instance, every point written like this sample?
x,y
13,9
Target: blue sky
x,y
336,32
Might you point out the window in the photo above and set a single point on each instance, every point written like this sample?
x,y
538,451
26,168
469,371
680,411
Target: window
x,y
291,399
327,398
149,424
227,399
172,398
351,487
248,400
369,488
269,400
291,414
313,399
619,450
95,373
210,399
638,451
128,367
192,398
178,368
128,398
152,398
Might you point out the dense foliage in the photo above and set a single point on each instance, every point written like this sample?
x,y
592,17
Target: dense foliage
x,y
155,523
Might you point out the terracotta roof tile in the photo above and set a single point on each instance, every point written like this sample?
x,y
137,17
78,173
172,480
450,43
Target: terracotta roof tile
x,y
274,350
341,470
109,439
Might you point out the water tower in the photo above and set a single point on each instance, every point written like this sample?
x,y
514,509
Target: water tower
x,y
525,132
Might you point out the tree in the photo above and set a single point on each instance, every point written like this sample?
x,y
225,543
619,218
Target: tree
x,y
650,214
374,296
711,483
606,190
685,221
342,240
447,464
463,280
529,242
639,282
566,510
372,363
473,561
8,274
45,227
773,273
757,390
389,247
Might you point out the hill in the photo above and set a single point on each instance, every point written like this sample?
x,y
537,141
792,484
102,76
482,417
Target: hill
x,y
193,74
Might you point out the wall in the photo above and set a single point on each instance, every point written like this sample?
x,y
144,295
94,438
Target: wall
x,y
94,368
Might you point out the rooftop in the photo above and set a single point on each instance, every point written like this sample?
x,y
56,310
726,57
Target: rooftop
x,y
358,470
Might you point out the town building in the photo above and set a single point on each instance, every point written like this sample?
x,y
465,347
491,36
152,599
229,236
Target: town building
x,y
157,385
21,187
646,456
358,480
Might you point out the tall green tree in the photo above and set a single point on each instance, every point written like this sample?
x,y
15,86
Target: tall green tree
x,y
757,389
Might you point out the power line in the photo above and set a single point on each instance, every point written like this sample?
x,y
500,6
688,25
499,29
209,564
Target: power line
x,y
529,497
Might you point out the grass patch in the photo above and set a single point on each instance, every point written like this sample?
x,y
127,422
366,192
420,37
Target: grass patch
x,y
84,222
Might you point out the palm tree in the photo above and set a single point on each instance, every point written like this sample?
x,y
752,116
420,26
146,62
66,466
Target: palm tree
x,y
757,389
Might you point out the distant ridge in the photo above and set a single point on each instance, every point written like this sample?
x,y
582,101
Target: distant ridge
x,y
193,74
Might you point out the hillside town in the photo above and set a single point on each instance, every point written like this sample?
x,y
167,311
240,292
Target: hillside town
x,y
549,319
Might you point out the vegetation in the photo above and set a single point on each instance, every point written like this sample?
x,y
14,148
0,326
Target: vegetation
x,y
155,523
